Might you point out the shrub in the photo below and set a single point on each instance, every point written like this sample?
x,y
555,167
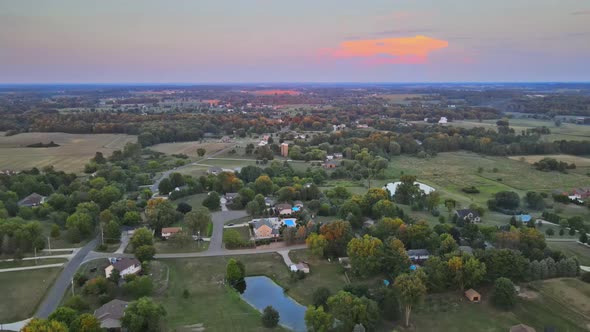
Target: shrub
x,y
586,277
270,317
470,190
320,296
504,294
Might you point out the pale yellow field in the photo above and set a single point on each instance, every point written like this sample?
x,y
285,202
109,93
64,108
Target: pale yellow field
x,y
190,148
531,159
73,153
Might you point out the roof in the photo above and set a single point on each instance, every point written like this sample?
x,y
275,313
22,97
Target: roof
x,y
231,195
111,313
302,265
171,229
463,213
522,328
472,293
466,249
215,169
32,199
125,262
418,252
283,206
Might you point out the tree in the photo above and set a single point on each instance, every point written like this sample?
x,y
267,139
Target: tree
x,y
165,186
184,207
317,244
234,271
504,199
317,320
432,200
253,208
351,310
160,213
115,276
86,323
447,244
197,220
270,317
145,253
232,238
142,237
64,315
212,202
44,325
387,227
55,231
143,315
473,271
504,294
406,192
139,287
395,258
438,274
263,185
112,232
583,237
338,233
365,254
411,289
201,152
320,297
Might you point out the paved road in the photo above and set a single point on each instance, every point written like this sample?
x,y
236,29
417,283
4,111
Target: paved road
x,y
55,294
219,219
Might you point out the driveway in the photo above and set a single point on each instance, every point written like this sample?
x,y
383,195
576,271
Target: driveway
x,y
219,219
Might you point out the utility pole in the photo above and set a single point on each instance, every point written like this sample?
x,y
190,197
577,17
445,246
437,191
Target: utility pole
x,y
49,244
36,262
101,234
73,287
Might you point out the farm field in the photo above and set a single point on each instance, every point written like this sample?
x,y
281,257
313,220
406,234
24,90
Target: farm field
x,y
190,148
22,291
73,153
450,172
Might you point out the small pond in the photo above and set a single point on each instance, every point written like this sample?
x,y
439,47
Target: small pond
x,y
262,291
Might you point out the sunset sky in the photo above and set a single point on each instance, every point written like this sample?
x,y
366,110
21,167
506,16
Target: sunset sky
x,y
216,41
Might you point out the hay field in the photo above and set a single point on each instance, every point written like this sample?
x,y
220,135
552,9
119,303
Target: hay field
x,y
74,151
190,148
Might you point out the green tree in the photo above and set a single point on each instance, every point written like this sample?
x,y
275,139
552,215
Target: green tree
x,y
395,258
143,315
131,218
112,232
44,325
64,315
320,296
447,243
317,320
198,220
212,201
142,237
232,238
351,310
365,254
201,152
165,186
504,294
253,208
473,272
160,213
234,271
115,276
411,289
263,185
270,317
145,253
317,244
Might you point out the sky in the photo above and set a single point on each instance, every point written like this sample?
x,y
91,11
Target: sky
x,y
223,41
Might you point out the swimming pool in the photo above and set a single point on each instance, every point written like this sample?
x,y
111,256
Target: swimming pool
x,y
289,222
296,209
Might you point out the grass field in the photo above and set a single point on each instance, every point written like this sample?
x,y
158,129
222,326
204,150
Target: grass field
x,y
166,247
74,151
190,148
572,249
244,232
193,200
558,303
531,159
22,291
31,262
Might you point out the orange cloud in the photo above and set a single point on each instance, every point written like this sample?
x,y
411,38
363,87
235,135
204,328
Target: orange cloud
x,y
412,50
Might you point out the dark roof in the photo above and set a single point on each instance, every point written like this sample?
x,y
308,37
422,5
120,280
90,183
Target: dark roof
x,y
111,310
215,169
231,195
465,212
418,252
284,206
31,200
125,262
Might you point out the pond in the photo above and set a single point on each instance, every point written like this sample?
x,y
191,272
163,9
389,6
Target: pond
x,y
262,291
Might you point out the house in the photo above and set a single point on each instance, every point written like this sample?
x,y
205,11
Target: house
x,y
284,149
418,255
443,120
110,314
214,170
301,266
468,215
285,212
225,139
362,126
283,206
522,328
168,232
369,223
229,197
329,165
330,157
338,156
33,199
472,295
298,204
125,266
266,228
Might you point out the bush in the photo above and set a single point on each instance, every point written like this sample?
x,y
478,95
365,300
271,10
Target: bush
x,y
585,277
101,247
185,294
549,231
270,317
470,190
320,296
504,294
184,208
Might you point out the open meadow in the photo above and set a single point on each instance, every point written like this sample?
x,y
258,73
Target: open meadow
x,y
71,155
22,292
190,148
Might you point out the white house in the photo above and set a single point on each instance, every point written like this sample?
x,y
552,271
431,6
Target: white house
x,y
125,266
442,120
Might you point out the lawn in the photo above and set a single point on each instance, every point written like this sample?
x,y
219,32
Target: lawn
x,y
193,200
210,302
31,262
167,247
244,231
73,153
572,249
559,303
22,291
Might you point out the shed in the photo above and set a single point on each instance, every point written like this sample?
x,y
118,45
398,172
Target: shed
x,y
473,295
